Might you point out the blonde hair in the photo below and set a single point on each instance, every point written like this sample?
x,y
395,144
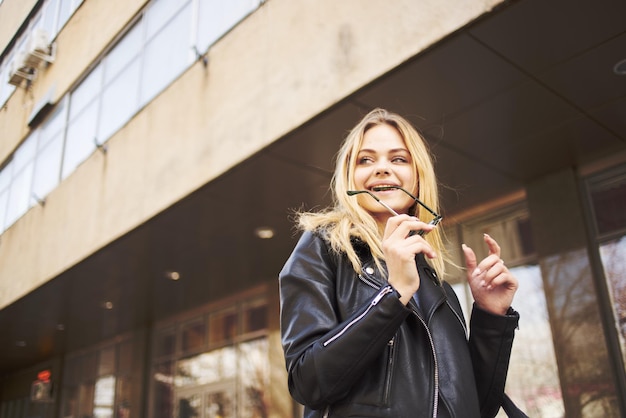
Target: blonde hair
x,y
346,218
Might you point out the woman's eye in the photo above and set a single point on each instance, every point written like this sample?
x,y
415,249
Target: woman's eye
x,y
399,160
365,160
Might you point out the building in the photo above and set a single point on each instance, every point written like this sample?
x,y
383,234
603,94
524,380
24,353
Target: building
x,y
152,153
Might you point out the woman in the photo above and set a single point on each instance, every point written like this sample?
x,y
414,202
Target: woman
x,y
368,329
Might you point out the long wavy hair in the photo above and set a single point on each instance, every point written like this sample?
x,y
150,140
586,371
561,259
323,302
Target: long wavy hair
x,y
346,219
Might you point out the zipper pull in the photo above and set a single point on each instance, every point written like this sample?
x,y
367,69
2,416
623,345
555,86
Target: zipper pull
x,y
385,290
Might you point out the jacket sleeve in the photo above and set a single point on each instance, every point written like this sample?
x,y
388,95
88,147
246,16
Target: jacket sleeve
x,y
325,357
491,341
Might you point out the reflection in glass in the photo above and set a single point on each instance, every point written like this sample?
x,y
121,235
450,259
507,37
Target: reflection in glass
x,y
222,327
614,263
533,380
585,375
254,377
205,368
189,406
193,335
219,405
104,396
163,390
255,318
166,343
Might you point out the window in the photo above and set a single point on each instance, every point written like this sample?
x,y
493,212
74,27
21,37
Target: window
x,y
224,375
216,17
21,180
49,153
156,49
97,381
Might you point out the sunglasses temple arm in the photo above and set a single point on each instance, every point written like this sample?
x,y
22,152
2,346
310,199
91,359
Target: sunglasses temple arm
x,y
393,212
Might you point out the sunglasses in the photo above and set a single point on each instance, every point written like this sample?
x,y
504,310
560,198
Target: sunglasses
x,y
436,217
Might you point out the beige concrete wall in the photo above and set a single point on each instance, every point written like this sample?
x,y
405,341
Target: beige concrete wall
x,y
12,15
12,119
286,63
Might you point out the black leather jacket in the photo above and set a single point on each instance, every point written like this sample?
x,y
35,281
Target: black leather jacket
x,y
352,349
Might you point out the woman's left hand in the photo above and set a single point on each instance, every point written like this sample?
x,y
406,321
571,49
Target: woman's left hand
x,y
492,284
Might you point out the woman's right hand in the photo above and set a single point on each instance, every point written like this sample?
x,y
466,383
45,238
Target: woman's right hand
x,y
400,248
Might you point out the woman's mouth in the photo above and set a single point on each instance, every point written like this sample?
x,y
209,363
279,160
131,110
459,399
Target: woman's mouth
x,y
383,187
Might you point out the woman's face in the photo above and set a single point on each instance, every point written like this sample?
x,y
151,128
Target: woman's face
x,y
384,160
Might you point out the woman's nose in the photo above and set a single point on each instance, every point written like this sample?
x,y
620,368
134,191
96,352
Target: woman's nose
x,y
382,166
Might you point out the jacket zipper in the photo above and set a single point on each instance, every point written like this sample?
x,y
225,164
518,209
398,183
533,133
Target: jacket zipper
x,y
432,348
391,344
384,291
389,289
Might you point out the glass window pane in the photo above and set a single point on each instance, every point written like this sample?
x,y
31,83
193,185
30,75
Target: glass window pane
x,y
166,343
205,368
48,167
50,17
166,56
106,363
255,318
222,327
190,406
125,362
19,194
220,404
6,89
192,335
104,395
65,11
123,53
614,263
54,125
163,390
119,102
80,139
159,13
6,175
216,17
4,201
84,94
25,153
254,377
533,380
608,198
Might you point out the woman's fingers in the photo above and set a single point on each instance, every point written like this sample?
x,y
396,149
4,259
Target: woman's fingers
x,y
493,246
404,225
399,236
494,275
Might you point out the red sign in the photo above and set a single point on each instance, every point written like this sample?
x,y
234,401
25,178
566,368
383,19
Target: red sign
x,y
44,375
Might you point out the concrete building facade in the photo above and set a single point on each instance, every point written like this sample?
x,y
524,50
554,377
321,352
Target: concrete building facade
x,y
153,152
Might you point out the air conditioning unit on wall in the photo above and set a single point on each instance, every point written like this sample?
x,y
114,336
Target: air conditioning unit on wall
x,y
38,48
19,70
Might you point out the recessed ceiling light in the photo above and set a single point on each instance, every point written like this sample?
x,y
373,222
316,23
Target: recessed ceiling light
x,y
620,67
20,343
264,232
108,305
172,275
